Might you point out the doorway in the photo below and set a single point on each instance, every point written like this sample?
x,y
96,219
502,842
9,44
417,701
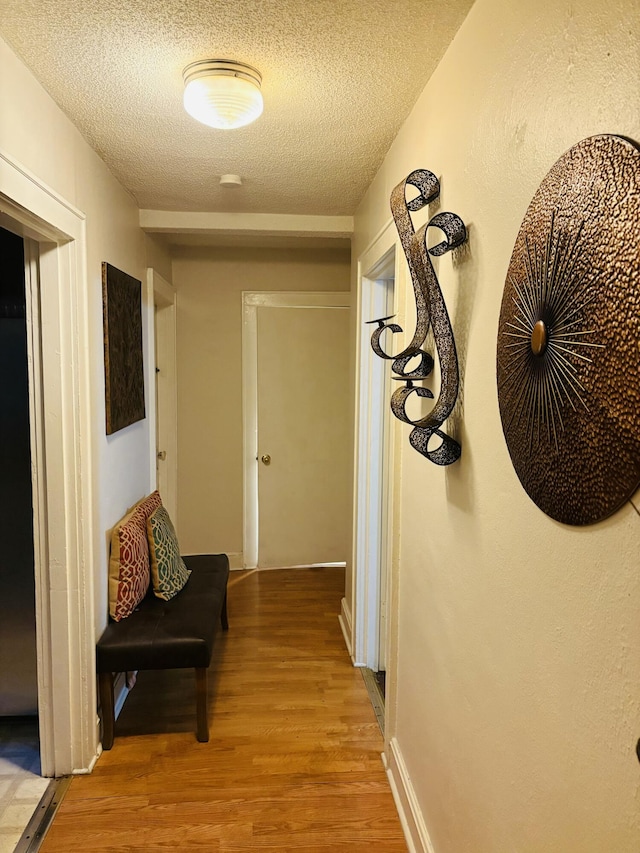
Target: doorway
x,y
22,783
64,543
296,429
18,674
367,617
374,447
163,404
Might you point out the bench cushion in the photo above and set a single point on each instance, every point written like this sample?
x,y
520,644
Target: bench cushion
x,y
170,634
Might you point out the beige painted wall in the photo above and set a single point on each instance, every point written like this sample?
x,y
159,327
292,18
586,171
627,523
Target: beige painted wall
x,y
210,282
158,256
37,134
518,638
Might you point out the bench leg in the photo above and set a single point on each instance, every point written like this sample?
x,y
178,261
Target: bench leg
x,y
202,730
105,683
223,615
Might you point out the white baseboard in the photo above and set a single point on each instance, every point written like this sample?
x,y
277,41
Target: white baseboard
x,y
235,558
92,763
413,825
346,624
83,771
298,566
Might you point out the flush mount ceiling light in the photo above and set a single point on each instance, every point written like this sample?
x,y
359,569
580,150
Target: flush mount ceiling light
x,y
222,93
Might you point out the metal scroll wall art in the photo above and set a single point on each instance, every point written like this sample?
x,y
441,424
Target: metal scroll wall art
x,y
431,311
568,355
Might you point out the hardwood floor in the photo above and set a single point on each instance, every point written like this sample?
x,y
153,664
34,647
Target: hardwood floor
x,y
293,762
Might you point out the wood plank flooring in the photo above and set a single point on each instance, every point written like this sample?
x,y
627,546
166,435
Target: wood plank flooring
x,y
293,762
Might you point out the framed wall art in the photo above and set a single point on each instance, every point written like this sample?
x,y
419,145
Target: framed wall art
x,y
123,360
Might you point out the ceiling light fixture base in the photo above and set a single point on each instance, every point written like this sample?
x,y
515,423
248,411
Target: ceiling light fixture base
x,y
230,181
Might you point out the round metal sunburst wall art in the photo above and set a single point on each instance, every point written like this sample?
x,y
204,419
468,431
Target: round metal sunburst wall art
x,y
568,359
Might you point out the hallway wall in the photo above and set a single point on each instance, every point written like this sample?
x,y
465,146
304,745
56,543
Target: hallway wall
x,y
210,282
516,703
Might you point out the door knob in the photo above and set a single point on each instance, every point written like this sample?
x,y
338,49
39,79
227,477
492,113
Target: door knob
x,y
266,459
162,454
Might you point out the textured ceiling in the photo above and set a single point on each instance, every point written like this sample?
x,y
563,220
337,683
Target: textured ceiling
x,y
339,77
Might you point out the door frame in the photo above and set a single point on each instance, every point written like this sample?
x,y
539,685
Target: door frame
x,y
374,576
64,511
251,301
162,407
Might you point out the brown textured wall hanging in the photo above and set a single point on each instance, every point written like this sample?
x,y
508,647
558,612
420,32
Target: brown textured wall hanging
x,y
568,360
123,367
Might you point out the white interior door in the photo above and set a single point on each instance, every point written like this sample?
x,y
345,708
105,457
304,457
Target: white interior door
x,y
304,505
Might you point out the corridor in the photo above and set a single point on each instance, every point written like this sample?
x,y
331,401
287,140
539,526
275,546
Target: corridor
x,y
293,762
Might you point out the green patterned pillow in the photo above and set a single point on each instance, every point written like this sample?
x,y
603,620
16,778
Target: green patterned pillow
x,y
168,571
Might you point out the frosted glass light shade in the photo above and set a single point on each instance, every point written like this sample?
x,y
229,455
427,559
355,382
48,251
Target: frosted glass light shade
x,y
222,94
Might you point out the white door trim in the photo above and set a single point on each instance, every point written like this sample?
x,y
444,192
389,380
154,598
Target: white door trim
x,y
373,494
63,505
161,298
251,301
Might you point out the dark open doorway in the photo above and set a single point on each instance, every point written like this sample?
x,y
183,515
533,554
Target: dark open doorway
x,y
18,676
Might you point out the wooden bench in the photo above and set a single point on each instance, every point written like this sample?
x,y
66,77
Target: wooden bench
x,y
173,634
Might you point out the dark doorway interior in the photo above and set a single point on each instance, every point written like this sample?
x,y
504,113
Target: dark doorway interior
x,y
18,677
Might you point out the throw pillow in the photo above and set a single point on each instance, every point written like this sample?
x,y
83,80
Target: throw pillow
x,y
168,571
128,565
149,504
